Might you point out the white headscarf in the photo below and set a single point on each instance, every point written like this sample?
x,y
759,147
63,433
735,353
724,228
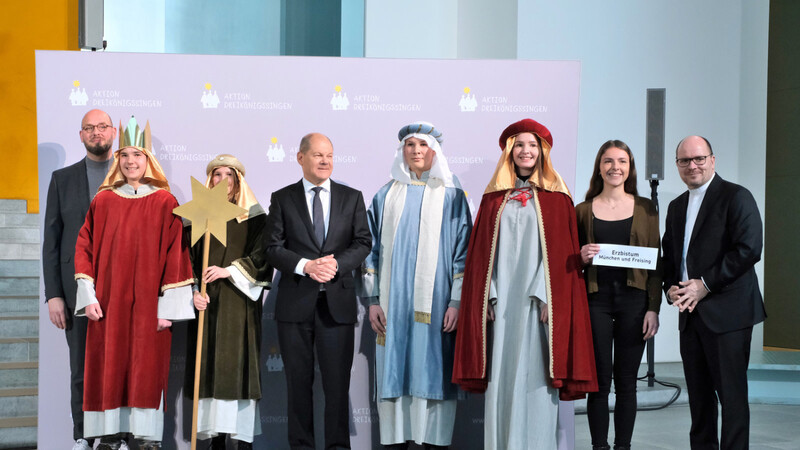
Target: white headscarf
x,y
439,168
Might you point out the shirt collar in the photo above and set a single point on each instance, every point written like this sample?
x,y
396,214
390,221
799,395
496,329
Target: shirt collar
x,y
307,185
99,164
143,189
701,190
424,177
520,183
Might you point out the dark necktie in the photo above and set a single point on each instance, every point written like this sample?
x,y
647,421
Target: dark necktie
x,y
318,217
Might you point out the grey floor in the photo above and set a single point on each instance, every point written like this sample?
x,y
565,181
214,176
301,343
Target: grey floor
x,y
771,426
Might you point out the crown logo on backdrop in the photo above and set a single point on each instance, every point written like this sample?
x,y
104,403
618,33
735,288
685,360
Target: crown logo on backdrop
x,y
77,96
468,102
274,361
209,99
134,136
339,101
275,152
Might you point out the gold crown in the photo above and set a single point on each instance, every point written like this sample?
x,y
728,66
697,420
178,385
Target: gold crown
x,y
133,136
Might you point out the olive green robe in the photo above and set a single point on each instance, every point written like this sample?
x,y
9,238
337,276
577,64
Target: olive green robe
x,y
229,369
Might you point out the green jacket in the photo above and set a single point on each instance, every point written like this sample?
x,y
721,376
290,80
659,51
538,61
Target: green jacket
x,y
644,233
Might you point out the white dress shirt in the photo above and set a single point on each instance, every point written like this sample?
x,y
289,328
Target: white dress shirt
x,y
325,199
696,197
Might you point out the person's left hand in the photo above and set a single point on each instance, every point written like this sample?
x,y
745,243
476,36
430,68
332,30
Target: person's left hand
x,y
163,324
650,325
213,273
689,294
450,320
200,301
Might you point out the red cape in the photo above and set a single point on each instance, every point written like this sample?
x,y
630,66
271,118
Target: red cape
x,y
572,366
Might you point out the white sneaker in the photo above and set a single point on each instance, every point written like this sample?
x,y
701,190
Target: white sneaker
x,y
81,444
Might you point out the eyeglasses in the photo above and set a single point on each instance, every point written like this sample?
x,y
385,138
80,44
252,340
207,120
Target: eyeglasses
x,y
698,161
101,127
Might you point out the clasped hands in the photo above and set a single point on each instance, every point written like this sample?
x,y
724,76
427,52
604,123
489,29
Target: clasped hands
x,y
687,294
322,269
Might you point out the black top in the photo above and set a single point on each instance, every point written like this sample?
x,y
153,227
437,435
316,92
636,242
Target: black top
x,y
612,232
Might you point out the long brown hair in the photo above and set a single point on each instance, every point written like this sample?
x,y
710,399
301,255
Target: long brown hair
x,y
234,196
596,183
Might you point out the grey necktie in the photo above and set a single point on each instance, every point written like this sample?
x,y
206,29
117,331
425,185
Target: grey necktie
x,y
318,217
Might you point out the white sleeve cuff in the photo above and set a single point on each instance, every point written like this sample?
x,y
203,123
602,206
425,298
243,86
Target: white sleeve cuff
x,y
455,291
539,287
300,266
247,288
369,285
176,304
705,285
86,296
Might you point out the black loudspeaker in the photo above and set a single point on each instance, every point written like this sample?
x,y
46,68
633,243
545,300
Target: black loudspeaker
x,y
91,30
656,112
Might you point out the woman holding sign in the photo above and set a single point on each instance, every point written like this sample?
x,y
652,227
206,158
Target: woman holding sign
x,y
623,301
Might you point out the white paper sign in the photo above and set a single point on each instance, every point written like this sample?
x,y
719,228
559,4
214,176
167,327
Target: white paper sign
x,y
626,256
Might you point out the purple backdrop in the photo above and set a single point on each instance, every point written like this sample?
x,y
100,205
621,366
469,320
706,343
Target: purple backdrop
x,y
258,108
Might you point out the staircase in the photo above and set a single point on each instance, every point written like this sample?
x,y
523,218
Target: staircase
x,y
19,324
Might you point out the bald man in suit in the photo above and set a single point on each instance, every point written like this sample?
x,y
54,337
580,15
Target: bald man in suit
x,y
712,241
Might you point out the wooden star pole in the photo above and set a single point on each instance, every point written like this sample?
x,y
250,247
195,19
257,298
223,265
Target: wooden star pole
x,y
209,211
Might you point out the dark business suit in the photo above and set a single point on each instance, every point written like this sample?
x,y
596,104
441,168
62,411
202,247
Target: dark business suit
x,y
67,204
725,244
308,317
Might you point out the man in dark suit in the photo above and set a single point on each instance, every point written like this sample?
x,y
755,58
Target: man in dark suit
x,y
713,239
317,234
71,191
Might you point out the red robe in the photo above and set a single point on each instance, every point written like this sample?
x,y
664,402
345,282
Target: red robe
x,y
572,366
132,250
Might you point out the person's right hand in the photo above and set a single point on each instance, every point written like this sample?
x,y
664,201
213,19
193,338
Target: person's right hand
x,y
588,252
490,312
672,294
377,319
57,314
94,312
200,301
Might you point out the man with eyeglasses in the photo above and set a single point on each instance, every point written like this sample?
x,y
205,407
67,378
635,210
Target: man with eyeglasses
x,y
68,197
712,241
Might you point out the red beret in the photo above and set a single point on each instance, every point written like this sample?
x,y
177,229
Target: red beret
x,y
525,126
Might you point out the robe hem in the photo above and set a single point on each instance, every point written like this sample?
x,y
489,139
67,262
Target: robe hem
x,y
167,287
245,274
79,276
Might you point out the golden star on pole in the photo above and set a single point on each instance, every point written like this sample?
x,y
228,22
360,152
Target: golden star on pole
x,y
209,208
